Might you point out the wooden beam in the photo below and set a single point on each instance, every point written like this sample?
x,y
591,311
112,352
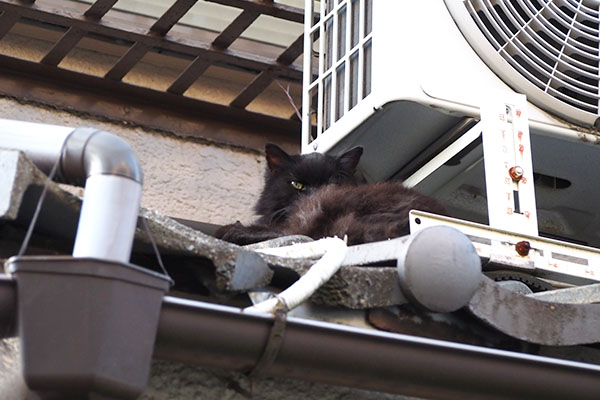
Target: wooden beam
x,y
127,61
99,8
235,29
277,10
64,45
292,52
256,87
171,16
188,76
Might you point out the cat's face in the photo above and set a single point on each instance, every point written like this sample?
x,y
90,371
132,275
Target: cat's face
x,y
291,176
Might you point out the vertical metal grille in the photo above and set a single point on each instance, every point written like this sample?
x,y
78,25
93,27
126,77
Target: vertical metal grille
x,y
340,66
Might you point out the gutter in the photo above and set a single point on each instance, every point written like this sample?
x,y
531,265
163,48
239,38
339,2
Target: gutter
x,y
218,336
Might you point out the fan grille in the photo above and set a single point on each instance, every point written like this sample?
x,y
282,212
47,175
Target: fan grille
x,y
552,44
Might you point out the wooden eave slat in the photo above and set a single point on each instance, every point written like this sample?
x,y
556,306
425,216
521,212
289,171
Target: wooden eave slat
x,y
188,76
99,8
171,16
127,61
136,34
256,87
118,91
294,50
63,46
235,29
277,10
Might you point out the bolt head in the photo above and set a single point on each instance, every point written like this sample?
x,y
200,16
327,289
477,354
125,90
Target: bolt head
x,y
516,173
523,248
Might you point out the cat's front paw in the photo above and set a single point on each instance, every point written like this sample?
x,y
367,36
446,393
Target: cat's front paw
x,y
242,235
236,233
226,231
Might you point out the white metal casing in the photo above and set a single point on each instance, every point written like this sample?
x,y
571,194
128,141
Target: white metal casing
x,y
419,55
426,78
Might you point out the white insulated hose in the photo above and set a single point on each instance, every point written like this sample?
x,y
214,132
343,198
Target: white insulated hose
x,y
333,251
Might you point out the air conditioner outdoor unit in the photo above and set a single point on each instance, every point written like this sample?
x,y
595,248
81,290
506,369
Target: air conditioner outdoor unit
x,y
404,79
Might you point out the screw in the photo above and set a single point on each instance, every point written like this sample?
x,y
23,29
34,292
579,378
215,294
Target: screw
x,y
516,173
523,248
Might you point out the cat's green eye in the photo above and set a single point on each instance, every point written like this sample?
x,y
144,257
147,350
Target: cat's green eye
x,y
297,185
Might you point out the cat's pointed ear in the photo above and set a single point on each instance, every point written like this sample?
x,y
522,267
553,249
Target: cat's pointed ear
x,y
275,156
349,160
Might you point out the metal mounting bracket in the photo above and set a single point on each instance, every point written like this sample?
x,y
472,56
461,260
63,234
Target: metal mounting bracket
x,y
511,239
541,257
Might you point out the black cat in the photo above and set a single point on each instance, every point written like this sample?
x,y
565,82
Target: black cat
x,y
318,196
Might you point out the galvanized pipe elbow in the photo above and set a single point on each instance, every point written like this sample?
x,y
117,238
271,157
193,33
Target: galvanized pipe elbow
x,y
89,152
104,164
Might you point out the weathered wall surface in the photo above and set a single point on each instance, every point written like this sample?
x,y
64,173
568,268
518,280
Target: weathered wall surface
x,y
213,384
182,178
177,381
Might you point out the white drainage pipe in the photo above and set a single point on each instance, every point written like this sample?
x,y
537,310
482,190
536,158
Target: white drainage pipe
x,y
104,164
108,218
42,143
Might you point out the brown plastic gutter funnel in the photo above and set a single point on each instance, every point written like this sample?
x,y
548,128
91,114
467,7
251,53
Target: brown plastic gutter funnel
x,y
8,307
86,325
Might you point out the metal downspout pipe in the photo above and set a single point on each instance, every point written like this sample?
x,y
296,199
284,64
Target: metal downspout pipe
x,y
101,162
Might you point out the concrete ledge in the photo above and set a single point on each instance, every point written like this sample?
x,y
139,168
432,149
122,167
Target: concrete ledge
x,y
21,183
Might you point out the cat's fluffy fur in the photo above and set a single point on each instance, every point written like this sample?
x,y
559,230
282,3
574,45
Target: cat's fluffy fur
x,y
318,195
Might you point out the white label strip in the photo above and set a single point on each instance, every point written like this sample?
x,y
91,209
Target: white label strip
x,y
508,166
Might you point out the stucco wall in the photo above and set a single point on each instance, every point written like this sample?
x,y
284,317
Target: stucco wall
x,y
177,381
182,178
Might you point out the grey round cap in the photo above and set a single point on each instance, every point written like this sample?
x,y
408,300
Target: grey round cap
x,y
440,269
